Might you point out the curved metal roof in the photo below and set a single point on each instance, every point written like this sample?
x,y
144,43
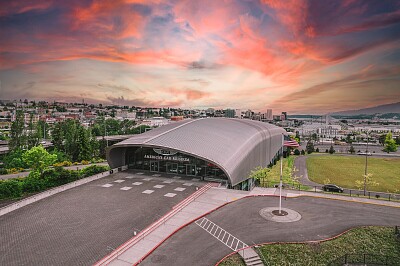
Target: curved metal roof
x,y
237,146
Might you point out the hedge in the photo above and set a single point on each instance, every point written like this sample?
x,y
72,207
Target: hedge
x,y
34,182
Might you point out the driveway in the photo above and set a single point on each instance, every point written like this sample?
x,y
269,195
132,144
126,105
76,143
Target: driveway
x,y
321,219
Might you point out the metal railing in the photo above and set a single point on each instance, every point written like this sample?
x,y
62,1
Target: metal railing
x,y
365,259
346,191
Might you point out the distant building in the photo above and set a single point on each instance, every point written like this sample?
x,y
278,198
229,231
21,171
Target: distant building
x,y
230,113
268,114
277,117
284,116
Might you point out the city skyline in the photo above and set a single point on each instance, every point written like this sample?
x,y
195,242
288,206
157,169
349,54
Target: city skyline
x,y
295,56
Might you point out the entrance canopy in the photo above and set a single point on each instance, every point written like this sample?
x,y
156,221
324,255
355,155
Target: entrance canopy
x,y
236,146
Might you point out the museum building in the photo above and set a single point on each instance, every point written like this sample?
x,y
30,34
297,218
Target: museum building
x,y
211,149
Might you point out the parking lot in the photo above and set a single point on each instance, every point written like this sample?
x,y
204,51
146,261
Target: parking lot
x,y
83,224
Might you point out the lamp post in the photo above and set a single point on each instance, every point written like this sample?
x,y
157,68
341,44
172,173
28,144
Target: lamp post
x,y
366,166
280,180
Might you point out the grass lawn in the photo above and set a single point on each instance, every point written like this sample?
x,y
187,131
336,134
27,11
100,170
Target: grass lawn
x,y
370,240
345,170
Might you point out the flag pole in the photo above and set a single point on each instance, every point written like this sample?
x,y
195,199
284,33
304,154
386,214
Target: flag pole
x,y
280,182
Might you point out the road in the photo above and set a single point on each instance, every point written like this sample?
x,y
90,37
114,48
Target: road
x,y
321,219
75,167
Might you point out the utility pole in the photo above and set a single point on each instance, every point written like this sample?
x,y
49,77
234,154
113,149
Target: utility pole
x,y
280,181
366,166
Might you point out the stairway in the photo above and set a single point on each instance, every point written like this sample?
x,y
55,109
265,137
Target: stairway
x,y
251,257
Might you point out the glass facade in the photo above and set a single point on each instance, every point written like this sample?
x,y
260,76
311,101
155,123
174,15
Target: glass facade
x,y
172,162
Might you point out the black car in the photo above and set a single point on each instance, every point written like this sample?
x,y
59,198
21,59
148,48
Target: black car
x,y
333,188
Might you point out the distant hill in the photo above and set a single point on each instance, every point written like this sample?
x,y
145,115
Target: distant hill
x,y
380,109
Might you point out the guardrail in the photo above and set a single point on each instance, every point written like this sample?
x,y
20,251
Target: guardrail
x,y
346,192
175,209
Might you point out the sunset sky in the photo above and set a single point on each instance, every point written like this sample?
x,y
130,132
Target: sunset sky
x,y
297,56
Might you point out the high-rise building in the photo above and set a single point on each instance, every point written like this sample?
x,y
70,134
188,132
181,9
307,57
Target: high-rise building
x,y
284,115
269,114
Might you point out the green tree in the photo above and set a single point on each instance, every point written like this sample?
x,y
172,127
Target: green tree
x,y
296,152
38,159
17,135
368,181
331,150
310,147
57,136
352,150
390,143
83,144
260,174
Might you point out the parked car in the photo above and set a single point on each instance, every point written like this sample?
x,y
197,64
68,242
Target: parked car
x,y
333,188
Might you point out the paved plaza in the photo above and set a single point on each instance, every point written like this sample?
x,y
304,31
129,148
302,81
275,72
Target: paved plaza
x,y
82,225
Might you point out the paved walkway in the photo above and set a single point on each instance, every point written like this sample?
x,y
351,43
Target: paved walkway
x,y
73,167
207,202
301,171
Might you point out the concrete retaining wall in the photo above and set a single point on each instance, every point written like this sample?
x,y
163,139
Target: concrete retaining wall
x,y
19,204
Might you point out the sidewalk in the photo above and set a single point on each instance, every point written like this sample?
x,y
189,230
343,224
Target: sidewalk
x,y
136,249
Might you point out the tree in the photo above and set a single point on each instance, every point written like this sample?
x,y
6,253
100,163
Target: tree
x,y
38,159
352,150
17,135
366,182
398,140
331,150
260,174
310,147
83,144
303,152
317,150
390,143
382,139
296,152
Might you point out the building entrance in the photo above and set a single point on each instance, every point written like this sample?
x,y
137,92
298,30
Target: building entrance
x,y
191,169
154,166
172,168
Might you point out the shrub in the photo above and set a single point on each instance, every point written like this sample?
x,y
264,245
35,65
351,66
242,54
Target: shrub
x,y
93,170
10,188
14,170
64,163
296,152
317,150
3,171
84,162
33,183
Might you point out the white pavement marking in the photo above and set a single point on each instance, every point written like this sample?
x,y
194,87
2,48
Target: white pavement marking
x,y
188,184
170,195
176,177
147,179
126,188
129,177
179,189
107,185
137,183
156,175
139,173
168,181
159,186
119,181
148,191
222,235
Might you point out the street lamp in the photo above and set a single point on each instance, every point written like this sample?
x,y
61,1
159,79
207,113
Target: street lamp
x,y
280,180
366,166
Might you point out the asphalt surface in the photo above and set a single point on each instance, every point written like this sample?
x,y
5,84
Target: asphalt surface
x,y
301,171
82,225
321,219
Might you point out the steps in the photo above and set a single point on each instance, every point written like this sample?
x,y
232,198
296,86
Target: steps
x,y
253,261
